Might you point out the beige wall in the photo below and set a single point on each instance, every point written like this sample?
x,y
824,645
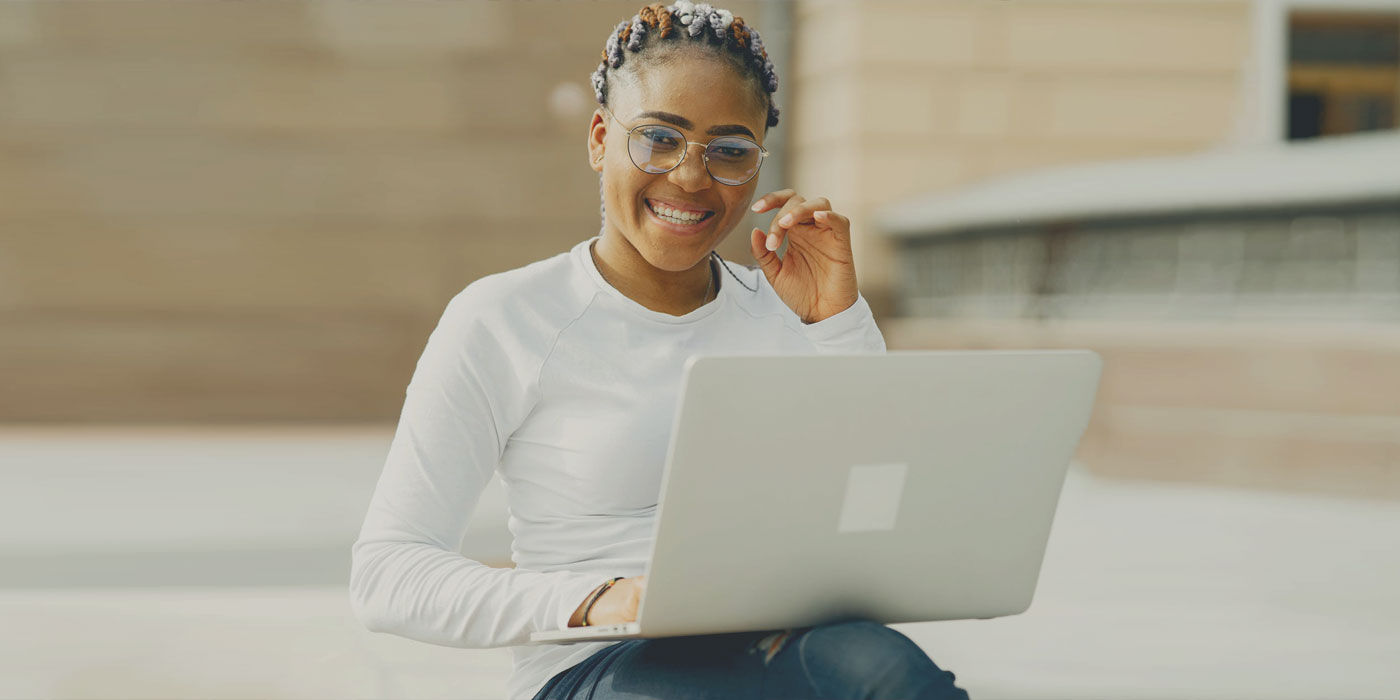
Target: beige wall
x,y
895,98
1295,407
257,210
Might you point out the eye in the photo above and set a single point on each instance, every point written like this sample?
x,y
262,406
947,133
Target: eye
x,y
734,150
658,138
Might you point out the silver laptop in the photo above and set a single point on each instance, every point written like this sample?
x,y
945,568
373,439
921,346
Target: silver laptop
x,y
902,487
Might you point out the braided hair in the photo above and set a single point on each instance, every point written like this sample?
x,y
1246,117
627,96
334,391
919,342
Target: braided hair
x,y
699,22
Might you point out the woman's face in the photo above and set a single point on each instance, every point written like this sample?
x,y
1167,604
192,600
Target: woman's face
x,y
703,98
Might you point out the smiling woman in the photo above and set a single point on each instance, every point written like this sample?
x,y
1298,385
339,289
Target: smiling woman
x,y
562,376
666,81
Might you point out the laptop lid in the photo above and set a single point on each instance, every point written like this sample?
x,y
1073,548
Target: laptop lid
x,y
903,487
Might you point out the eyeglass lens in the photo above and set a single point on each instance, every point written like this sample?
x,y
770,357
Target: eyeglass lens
x,y
730,160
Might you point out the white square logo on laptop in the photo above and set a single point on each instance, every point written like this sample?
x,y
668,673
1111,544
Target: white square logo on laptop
x,y
872,497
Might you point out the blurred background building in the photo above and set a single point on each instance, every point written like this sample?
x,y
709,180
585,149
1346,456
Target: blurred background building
x,y
226,229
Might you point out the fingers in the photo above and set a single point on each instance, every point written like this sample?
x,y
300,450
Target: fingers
x,y
796,210
799,211
768,261
777,231
802,212
839,225
773,199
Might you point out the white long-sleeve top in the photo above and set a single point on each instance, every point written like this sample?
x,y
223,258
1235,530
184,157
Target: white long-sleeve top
x,y
568,388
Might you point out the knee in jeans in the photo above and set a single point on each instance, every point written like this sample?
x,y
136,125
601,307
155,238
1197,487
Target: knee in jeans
x,y
858,647
868,654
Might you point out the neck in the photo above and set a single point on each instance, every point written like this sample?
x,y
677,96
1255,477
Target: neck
x,y
673,292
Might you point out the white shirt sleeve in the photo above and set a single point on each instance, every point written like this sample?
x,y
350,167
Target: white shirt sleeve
x,y
850,331
407,576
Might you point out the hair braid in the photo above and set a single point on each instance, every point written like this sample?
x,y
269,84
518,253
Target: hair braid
x,y
700,22
663,20
739,33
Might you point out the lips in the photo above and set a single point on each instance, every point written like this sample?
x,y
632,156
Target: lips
x,y
684,226
678,210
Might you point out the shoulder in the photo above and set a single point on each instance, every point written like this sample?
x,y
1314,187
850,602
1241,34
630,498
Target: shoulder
x,y
544,290
522,309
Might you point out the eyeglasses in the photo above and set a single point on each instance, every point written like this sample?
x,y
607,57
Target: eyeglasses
x,y
656,148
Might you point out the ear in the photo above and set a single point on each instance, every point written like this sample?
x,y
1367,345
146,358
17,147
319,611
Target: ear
x,y
597,139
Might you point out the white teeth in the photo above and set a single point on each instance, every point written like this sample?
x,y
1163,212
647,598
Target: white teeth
x,y
676,215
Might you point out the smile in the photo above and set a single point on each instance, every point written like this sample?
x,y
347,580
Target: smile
x,y
671,214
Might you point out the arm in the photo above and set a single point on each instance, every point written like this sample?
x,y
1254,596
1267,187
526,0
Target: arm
x,y
852,331
817,277
407,577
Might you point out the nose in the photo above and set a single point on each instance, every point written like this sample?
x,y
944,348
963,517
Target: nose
x,y
691,174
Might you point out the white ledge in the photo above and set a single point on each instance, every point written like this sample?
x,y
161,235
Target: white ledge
x,y
1319,172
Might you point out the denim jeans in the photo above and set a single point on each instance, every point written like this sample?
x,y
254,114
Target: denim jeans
x,y
844,659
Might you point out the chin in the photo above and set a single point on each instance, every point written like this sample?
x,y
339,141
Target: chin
x,y
674,256
674,260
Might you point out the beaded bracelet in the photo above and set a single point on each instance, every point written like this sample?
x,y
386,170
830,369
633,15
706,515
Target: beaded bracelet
x,y
606,585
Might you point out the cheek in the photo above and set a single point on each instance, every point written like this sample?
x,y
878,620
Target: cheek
x,y
623,185
736,206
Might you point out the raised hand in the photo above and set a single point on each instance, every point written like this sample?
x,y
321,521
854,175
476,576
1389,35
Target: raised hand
x,y
817,276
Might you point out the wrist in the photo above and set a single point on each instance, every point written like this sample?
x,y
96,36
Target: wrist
x,y
576,620
814,318
580,617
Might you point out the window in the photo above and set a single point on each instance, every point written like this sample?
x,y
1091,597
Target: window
x,y
1343,72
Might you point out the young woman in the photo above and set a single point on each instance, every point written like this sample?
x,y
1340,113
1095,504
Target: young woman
x,y
562,376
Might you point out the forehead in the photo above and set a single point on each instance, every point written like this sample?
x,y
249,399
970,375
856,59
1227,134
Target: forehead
x,y
707,91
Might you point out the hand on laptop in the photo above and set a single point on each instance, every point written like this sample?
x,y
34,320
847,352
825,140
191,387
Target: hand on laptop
x,y
617,605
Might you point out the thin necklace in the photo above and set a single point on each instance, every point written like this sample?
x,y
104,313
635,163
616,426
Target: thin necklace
x,y
720,260
708,286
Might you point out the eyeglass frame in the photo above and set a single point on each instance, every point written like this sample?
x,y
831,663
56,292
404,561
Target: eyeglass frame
x,y
762,152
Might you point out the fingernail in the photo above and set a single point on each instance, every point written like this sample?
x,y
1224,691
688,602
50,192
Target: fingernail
x,y
757,205
820,214
786,220
772,242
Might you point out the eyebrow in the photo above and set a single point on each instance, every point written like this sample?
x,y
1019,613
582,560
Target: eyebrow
x,y
682,122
